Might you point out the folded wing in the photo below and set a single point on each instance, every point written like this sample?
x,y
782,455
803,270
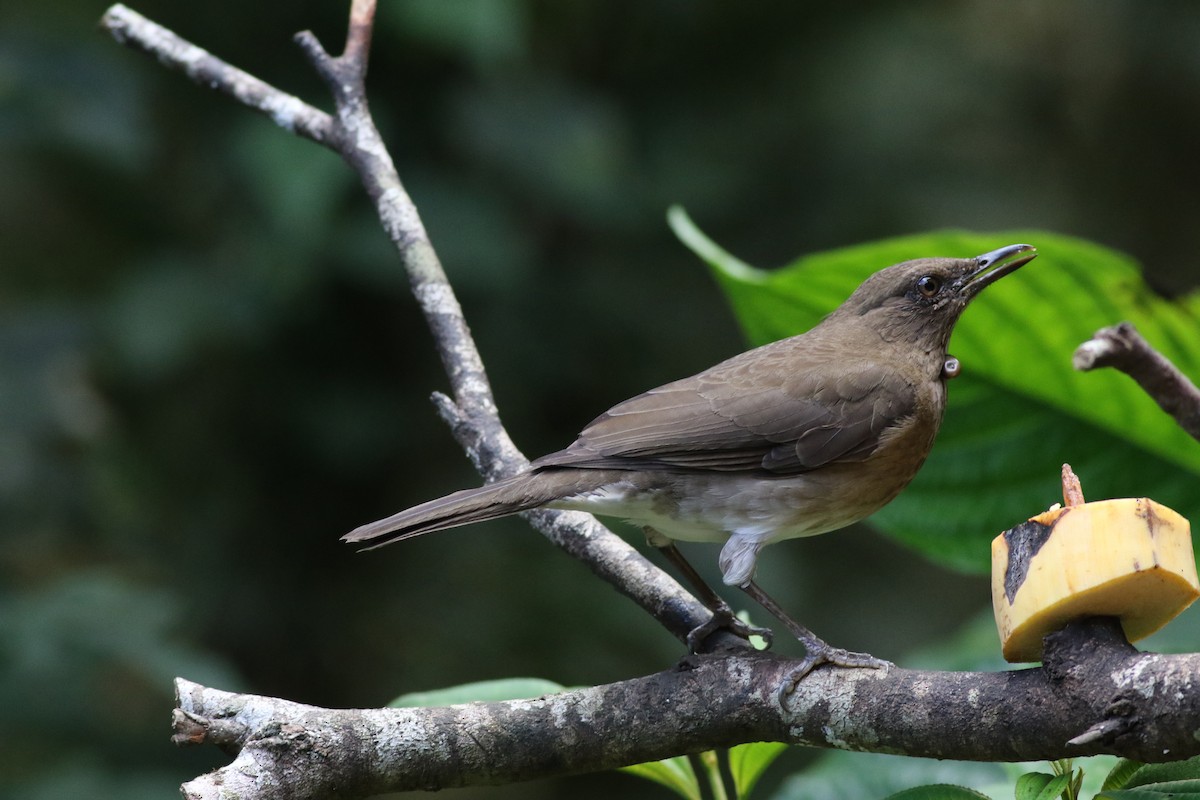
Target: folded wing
x,y
777,413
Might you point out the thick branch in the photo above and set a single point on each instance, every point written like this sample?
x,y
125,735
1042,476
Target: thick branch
x,y
1095,690
1122,347
472,412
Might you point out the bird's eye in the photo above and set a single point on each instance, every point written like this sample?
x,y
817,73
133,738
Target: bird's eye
x,y
929,285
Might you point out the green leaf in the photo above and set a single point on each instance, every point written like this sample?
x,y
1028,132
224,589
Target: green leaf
x,y
1089,774
710,764
747,762
1121,773
1172,771
480,691
758,642
1054,788
1020,409
1041,786
1174,790
674,773
1031,784
844,775
938,791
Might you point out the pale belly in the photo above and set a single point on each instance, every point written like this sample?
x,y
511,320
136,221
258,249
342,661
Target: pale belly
x,y
710,507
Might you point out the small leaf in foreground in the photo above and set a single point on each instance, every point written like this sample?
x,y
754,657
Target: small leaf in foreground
x,y
674,773
938,791
1118,777
1171,790
747,762
1031,784
1172,771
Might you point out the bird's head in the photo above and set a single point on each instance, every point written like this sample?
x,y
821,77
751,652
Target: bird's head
x,y
919,301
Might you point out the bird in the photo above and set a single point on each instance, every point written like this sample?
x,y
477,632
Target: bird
x,y
802,436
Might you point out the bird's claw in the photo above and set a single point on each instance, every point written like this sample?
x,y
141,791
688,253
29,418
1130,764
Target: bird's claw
x,y
818,653
724,618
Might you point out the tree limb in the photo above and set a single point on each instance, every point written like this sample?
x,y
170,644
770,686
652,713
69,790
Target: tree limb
x,y
1122,347
1095,694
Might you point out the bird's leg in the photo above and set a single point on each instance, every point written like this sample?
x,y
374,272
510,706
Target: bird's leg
x,y
816,650
722,614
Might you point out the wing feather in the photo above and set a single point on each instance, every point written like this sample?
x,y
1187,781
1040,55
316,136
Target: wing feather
x,y
789,408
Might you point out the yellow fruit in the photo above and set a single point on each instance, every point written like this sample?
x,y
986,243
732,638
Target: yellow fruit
x,y
1130,558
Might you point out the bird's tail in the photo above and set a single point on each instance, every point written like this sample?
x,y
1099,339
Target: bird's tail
x,y
490,501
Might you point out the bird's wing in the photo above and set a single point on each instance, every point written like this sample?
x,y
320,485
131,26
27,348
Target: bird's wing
x,y
775,412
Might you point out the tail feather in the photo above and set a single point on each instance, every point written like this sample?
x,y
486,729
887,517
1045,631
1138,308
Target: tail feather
x,y
490,501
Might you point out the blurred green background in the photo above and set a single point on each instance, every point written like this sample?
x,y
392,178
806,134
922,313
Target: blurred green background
x,y
210,367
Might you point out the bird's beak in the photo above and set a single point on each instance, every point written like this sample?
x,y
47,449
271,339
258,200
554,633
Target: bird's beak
x,y
991,267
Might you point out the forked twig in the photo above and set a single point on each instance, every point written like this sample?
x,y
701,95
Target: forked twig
x,y
1123,348
471,411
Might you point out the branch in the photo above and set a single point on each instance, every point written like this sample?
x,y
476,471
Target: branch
x,y
1095,694
471,412
1123,348
287,111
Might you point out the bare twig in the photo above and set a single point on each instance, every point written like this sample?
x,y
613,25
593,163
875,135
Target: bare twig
x,y
471,412
1096,683
1122,347
287,111
1072,489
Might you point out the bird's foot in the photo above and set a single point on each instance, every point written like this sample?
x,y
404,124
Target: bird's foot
x,y
817,653
724,618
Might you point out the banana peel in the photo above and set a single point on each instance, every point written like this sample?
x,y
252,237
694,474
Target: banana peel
x,y
1128,558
